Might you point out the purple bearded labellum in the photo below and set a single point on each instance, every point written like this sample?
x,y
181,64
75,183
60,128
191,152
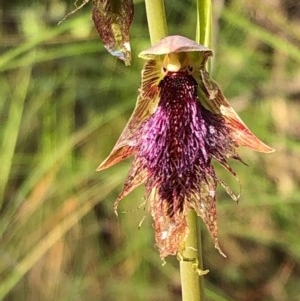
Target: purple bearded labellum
x,y
181,122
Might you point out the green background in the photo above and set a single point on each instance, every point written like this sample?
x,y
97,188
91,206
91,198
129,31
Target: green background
x,y
63,103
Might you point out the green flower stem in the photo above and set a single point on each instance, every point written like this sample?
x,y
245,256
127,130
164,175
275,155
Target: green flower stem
x,y
156,18
204,22
192,285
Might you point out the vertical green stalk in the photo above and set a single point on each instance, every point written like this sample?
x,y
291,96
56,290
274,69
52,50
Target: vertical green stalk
x,y
192,285
156,17
204,22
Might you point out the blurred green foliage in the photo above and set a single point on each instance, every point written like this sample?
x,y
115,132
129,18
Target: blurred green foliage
x,y
63,102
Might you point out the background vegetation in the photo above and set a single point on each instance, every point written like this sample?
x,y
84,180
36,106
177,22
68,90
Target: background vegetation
x,y
64,102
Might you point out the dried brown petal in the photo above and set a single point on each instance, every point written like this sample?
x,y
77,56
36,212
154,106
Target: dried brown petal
x,y
170,232
217,102
146,104
112,19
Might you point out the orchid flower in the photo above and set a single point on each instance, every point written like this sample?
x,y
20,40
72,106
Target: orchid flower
x,y
181,123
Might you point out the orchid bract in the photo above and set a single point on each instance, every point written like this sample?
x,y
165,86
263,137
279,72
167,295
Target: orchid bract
x,y
112,19
181,123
